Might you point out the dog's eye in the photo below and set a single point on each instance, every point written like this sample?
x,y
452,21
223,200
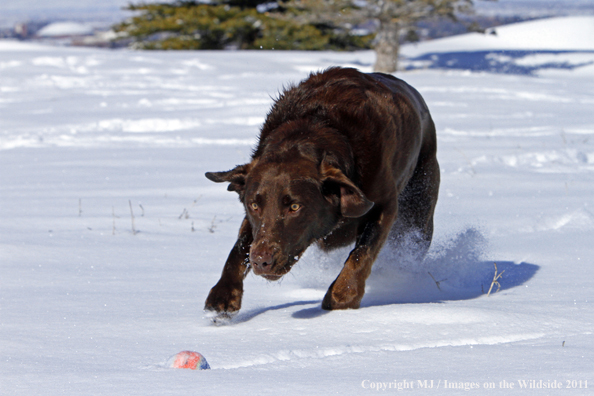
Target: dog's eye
x,y
254,206
295,207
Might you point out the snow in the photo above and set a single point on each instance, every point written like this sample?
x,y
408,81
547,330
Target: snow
x,y
534,8
88,306
562,33
58,29
520,48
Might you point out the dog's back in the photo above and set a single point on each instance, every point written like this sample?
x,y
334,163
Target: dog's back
x,y
384,122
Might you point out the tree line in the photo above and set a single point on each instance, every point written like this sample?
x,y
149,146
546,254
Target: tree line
x,y
288,24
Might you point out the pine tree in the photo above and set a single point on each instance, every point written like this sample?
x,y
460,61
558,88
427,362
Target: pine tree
x,y
231,24
287,24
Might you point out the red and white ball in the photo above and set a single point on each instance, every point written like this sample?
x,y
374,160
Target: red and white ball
x,y
188,360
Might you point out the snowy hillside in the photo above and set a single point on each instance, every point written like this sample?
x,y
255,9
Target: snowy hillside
x,y
555,34
521,48
58,29
87,306
534,8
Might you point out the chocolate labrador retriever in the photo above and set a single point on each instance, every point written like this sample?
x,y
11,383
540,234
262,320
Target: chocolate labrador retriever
x,y
343,157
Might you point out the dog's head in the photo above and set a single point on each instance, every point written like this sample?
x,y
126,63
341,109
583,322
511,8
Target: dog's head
x,y
290,203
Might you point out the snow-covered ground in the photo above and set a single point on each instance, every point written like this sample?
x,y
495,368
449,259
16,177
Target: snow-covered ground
x,y
528,8
89,307
521,48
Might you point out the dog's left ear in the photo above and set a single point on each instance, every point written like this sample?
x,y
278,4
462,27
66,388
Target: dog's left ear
x,y
353,203
235,177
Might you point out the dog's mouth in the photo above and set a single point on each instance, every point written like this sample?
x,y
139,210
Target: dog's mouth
x,y
271,277
279,269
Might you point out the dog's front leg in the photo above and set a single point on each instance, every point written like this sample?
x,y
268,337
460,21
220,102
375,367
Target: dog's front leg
x,y
349,287
225,297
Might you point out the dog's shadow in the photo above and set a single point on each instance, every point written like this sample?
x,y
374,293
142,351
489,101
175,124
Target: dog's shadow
x,y
453,270
449,284
480,279
249,315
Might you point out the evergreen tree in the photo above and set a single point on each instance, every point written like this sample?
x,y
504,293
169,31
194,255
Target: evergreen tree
x,y
287,24
231,24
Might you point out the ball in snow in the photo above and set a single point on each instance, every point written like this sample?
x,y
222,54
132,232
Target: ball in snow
x,y
189,360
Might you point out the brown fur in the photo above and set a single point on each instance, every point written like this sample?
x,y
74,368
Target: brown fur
x,y
343,157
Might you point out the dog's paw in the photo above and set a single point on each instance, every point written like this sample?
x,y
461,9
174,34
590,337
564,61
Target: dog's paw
x,y
224,299
220,318
341,295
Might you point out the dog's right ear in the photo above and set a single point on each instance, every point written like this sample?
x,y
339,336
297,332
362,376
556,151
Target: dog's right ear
x,y
235,177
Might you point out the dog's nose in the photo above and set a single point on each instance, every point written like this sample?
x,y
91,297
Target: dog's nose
x,y
261,260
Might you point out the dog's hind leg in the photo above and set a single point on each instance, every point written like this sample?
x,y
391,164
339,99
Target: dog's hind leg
x,y
416,206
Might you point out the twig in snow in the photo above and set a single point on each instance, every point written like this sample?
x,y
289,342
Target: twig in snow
x,y
213,226
142,215
132,217
436,281
196,200
494,282
185,214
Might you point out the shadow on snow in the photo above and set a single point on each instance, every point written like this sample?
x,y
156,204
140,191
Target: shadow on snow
x,y
523,62
453,270
249,315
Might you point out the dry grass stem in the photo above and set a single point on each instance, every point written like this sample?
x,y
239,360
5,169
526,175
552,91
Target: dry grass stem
x,y
436,281
494,281
213,226
132,217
